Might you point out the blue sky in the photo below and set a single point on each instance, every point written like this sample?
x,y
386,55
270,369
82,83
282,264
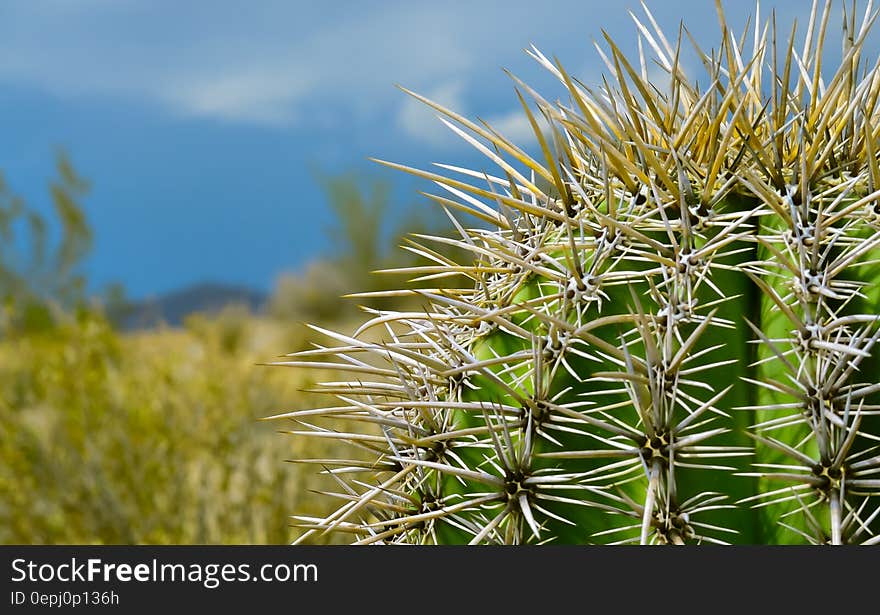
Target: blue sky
x,y
199,123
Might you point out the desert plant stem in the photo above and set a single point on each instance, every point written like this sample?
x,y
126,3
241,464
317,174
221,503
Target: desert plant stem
x,y
753,297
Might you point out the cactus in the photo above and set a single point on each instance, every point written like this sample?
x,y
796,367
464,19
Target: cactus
x,y
665,327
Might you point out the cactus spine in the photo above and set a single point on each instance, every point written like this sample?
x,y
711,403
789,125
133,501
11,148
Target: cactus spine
x,y
665,327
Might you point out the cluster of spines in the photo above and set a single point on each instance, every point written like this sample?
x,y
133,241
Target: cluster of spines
x,y
568,382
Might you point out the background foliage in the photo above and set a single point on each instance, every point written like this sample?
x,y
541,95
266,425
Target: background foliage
x,y
152,436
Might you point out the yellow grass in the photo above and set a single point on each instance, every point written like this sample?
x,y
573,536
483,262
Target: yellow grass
x,y
154,437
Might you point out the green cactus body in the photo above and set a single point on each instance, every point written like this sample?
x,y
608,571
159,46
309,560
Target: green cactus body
x,y
665,331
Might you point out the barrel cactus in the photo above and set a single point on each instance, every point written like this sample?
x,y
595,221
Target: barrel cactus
x,y
664,330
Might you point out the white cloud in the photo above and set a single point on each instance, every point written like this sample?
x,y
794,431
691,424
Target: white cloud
x,y
218,61
420,122
514,126
255,96
270,61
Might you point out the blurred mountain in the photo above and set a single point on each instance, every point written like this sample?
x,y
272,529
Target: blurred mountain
x,y
172,308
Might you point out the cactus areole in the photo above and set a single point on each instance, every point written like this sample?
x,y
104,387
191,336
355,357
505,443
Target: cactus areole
x,y
664,328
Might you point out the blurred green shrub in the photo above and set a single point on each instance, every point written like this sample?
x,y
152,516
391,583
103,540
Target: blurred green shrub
x,y
360,246
41,279
313,294
149,438
153,437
